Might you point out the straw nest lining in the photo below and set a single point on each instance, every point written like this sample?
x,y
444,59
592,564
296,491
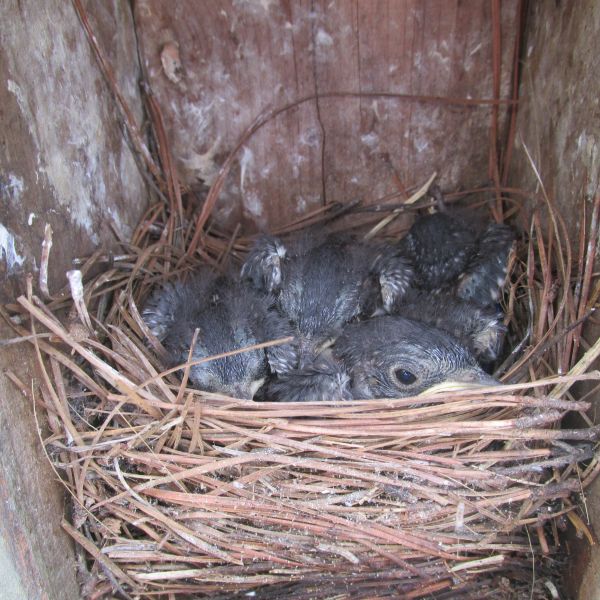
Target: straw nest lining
x,y
180,492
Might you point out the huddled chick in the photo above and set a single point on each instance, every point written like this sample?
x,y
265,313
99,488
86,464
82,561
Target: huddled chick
x,y
479,328
444,319
389,357
459,275
382,357
229,315
450,256
322,282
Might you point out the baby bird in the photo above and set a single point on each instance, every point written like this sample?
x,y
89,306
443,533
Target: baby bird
x,y
383,357
458,279
448,255
229,316
439,247
321,283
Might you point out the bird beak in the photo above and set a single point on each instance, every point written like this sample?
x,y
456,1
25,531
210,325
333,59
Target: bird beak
x,y
255,386
463,380
243,391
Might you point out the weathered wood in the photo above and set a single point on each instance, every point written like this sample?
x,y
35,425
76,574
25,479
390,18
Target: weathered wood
x,y
559,123
240,58
64,162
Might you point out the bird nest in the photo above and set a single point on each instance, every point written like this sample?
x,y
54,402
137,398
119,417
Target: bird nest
x,y
180,492
176,492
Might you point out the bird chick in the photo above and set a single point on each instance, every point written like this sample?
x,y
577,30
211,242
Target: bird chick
x,y
229,316
383,357
449,255
439,247
395,357
458,278
321,283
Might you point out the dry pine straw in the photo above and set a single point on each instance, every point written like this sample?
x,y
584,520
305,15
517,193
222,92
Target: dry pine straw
x,y
176,491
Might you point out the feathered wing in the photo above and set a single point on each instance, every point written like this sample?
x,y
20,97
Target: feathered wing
x,y
282,357
485,273
440,248
263,265
393,273
161,309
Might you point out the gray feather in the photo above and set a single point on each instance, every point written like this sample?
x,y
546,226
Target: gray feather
x,y
323,380
263,264
448,255
326,282
480,329
229,316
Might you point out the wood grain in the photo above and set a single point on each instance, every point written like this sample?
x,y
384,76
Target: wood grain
x,y
241,57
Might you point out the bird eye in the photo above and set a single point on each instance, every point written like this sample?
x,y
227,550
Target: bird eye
x,y
404,376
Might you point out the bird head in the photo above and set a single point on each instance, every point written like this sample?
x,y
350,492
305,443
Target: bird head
x,y
227,316
233,322
394,357
239,375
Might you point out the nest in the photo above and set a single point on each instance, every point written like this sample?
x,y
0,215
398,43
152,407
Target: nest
x,y
182,493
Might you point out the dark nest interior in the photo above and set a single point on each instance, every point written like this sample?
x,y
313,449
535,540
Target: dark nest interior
x,y
176,492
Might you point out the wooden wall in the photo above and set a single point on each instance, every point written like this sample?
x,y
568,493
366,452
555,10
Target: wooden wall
x,y
559,122
63,162
215,66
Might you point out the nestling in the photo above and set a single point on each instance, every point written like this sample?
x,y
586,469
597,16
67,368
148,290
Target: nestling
x,y
395,357
448,255
321,283
458,280
383,357
229,316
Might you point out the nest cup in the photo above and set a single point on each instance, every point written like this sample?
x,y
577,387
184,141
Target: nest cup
x,y
176,492
179,491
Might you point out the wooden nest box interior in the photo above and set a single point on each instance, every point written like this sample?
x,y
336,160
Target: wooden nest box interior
x,y
248,116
